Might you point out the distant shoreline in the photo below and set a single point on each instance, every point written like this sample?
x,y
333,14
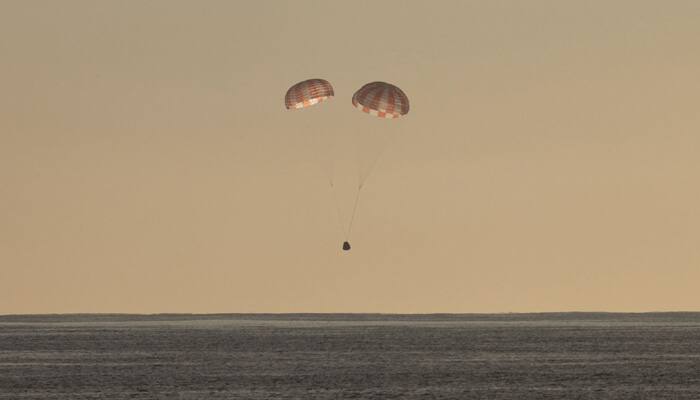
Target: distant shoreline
x,y
557,316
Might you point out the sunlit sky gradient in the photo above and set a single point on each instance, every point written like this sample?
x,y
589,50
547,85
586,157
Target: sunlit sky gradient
x,y
549,161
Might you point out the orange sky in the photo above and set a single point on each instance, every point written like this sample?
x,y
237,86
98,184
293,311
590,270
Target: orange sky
x,y
549,161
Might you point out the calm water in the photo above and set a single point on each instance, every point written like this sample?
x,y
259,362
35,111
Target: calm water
x,y
515,356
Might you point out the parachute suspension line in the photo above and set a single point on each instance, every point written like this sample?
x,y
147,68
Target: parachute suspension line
x,y
325,144
354,209
317,137
363,178
326,164
330,174
389,139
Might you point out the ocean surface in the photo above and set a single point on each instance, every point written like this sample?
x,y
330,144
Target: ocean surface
x,y
351,356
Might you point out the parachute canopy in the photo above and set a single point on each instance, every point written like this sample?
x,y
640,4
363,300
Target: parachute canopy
x,y
307,93
381,99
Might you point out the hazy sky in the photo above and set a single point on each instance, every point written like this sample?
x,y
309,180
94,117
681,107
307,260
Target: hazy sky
x,y
549,161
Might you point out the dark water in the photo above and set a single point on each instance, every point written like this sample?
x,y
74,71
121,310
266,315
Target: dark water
x,y
517,356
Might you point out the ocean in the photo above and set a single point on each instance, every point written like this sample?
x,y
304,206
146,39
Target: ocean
x,y
351,356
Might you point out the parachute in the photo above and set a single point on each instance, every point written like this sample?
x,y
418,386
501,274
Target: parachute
x,y
379,99
308,93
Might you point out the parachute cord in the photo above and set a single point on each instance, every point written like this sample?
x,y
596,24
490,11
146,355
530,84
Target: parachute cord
x,y
363,178
354,209
328,167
